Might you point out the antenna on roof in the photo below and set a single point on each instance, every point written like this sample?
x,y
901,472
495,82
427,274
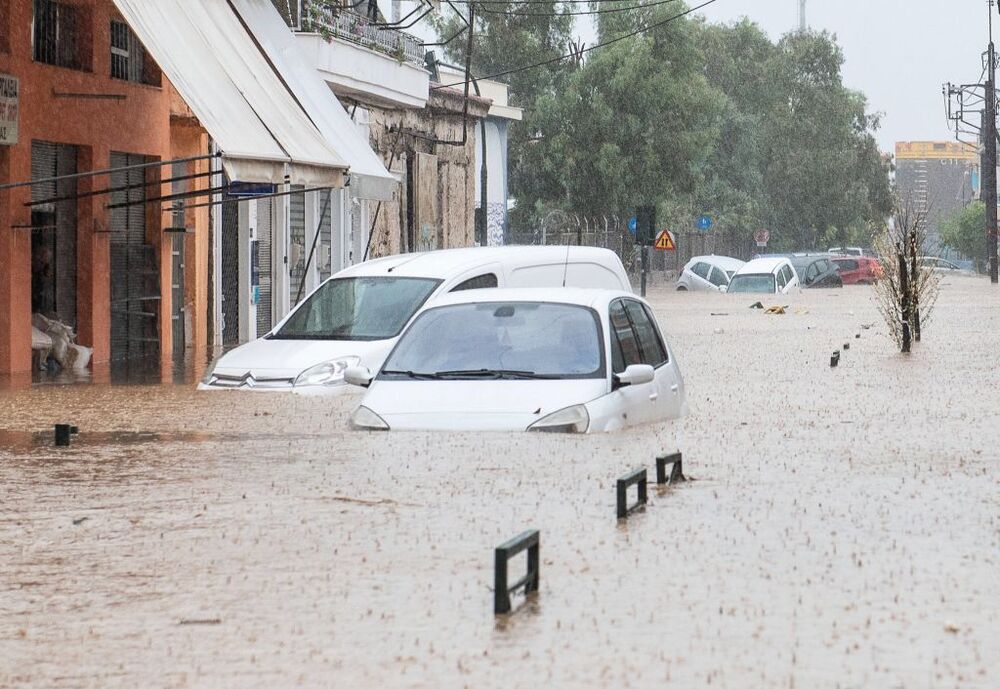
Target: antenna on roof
x,y
566,265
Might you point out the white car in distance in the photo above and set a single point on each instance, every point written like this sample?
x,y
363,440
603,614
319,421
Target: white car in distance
x,y
767,275
558,360
708,274
355,317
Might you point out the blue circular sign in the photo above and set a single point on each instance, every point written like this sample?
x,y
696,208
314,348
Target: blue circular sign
x,y
705,222
633,224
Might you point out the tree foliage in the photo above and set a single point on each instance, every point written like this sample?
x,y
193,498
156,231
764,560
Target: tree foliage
x,y
965,232
695,118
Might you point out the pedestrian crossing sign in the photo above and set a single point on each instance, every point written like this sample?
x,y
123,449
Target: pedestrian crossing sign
x,y
665,241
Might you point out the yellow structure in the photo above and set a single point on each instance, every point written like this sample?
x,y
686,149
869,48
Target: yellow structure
x,y
936,150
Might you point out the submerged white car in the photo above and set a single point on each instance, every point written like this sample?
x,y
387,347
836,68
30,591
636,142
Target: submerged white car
x,y
708,274
767,275
562,360
355,317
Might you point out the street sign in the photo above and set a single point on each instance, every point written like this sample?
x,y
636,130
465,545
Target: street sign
x,y
633,224
665,241
762,237
251,189
705,223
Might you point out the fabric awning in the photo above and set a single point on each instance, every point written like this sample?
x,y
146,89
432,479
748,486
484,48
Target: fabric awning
x,y
369,177
212,61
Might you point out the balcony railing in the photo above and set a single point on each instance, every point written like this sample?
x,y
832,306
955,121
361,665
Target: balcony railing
x,y
348,25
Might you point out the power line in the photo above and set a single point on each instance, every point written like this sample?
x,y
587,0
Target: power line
x,y
560,58
603,10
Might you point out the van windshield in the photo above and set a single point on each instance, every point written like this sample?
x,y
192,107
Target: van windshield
x,y
760,283
362,308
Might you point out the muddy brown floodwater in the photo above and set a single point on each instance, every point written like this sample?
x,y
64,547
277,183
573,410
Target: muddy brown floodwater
x,y
842,529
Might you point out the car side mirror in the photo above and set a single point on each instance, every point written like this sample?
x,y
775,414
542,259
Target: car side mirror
x,y
636,374
358,375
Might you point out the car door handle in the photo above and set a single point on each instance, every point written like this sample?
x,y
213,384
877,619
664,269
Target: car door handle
x,y
674,388
654,396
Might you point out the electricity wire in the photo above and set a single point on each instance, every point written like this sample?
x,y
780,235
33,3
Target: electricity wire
x,y
603,10
560,58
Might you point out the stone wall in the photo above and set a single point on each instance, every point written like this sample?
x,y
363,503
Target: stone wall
x,y
440,176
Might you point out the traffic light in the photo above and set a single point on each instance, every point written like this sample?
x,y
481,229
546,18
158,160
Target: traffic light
x,y
645,225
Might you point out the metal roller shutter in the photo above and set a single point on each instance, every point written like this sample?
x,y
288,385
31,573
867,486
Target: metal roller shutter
x,y
56,229
135,275
297,239
265,211
324,256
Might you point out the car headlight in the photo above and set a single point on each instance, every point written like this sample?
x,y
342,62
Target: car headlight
x,y
573,419
367,420
327,373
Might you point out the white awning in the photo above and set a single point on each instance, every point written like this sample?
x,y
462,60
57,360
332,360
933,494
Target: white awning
x,y
207,54
369,178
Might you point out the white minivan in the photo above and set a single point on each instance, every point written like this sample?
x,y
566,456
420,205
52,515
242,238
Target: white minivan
x,y
355,317
766,275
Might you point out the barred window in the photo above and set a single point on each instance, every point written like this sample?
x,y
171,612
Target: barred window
x,y
128,57
60,34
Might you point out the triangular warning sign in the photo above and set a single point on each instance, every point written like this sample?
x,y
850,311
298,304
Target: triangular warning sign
x,y
665,241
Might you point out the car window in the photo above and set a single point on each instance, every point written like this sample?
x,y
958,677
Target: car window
x,y
788,274
718,277
813,270
361,308
752,282
623,338
483,281
849,264
652,350
497,340
782,280
701,270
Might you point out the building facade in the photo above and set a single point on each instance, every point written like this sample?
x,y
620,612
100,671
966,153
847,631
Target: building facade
x,y
91,250
939,178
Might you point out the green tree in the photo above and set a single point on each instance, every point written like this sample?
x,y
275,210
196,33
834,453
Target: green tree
x,y
510,35
635,124
965,232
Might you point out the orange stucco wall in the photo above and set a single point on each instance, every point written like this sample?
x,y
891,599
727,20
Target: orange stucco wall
x,y
99,115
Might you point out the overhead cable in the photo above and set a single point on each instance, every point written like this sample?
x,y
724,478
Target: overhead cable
x,y
560,58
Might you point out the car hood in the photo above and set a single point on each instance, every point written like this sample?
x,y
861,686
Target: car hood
x,y
465,405
274,358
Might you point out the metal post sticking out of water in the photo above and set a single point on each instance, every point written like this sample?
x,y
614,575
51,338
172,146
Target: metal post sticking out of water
x,y
63,431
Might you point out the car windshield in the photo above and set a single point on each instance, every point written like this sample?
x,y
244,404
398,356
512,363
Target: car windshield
x,y
500,340
751,282
362,308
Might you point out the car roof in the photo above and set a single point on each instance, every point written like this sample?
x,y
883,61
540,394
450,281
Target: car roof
x,y
579,296
446,263
762,265
724,262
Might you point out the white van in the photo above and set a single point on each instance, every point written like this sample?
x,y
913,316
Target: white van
x,y
355,317
769,275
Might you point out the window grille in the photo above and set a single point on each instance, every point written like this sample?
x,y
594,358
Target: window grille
x,y
57,35
128,57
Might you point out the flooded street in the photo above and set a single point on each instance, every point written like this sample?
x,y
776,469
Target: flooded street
x,y
842,528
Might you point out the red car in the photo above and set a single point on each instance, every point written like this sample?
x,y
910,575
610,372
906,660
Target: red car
x,y
858,270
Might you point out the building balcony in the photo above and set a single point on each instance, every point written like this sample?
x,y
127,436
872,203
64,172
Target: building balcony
x,y
377,66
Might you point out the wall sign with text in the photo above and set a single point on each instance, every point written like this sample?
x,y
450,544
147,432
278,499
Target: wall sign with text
x,y
9,91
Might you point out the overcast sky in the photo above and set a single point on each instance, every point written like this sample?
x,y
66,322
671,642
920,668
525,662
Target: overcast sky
x,y
898,52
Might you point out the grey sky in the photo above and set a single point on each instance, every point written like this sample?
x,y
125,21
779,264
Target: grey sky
x,y
898,52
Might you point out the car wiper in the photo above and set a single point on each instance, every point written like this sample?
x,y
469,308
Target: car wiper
x,y
416,375
494,373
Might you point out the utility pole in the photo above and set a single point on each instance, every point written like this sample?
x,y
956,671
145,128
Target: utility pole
x,y
989,161
802,15
962,101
